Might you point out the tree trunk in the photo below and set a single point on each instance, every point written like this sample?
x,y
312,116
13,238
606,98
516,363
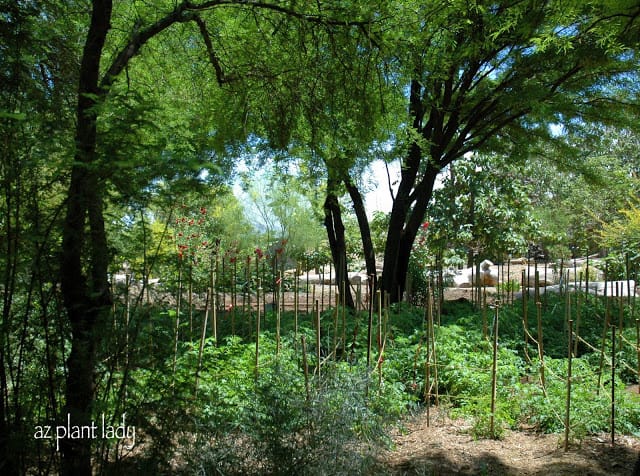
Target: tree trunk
x,y
86,293
337,242
365,230
407,215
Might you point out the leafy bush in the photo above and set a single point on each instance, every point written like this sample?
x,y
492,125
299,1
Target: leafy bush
x,y
272,426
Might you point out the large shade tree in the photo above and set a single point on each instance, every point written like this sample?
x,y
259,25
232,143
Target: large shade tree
x,y
495,76
219,26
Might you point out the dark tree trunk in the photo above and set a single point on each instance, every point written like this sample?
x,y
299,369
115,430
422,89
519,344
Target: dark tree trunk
x,y
407,215
84,283
337,242
365,230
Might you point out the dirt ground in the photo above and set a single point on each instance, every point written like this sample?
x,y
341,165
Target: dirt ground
x,y
445,447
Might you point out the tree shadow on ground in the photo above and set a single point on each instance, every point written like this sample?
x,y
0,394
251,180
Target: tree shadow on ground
x,y
611,461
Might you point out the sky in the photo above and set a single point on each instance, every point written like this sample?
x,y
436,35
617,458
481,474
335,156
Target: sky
x,y
377,195
379,198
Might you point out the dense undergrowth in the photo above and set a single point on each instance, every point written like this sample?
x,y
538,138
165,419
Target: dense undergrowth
x,y
211,411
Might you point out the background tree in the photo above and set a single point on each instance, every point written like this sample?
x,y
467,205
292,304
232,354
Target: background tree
x,y
482,207
38,51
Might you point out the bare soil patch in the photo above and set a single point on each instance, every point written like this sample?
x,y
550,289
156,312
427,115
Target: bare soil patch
x,y
445,447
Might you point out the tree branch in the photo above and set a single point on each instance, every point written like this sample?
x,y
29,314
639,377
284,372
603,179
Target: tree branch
x,y
213,57
185,11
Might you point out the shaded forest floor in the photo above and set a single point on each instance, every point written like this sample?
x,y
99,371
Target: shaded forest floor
x,y
446,447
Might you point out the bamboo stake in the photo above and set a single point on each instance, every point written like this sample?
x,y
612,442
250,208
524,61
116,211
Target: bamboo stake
x,y
613,385
485,325
546,298
379,298
607,321
296,301
278,315
264,294
336,310
127,318
224,285
633,306
318,353
578,311
494,373
177,328
586,281
190,300
626,265
214,317
202,339
500,283
509,288
568,407
619,294
567,309
433,352
540,344
331,282
247,292
234,297
344,325
638,350
473,283
427,377
369,329
525,317
313,297
381,342
322,289
257,364
307,278
305,367
214,297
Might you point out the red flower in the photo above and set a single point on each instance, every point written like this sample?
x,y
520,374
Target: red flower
x,y
258,253
425,225
203,210
232,259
